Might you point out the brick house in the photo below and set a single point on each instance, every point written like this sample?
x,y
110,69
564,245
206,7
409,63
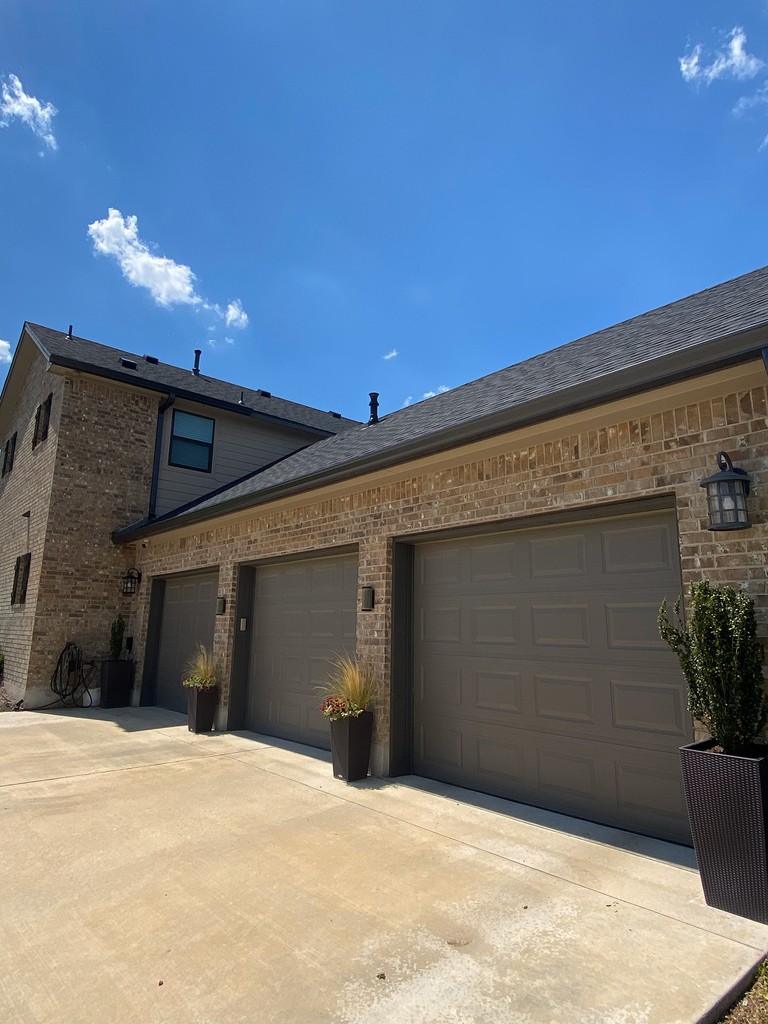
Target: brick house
x,y
94,438
517,534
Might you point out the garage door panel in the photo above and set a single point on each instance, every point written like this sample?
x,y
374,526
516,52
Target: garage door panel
x,y
649,707
632,625
494,623
565,698
304,616
560,625
639,549
558,557
545,681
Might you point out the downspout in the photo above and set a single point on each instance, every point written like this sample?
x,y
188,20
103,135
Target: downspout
x,y
164,405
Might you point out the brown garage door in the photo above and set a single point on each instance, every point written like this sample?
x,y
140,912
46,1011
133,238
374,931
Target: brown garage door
x,y
304,614
540,675
189,610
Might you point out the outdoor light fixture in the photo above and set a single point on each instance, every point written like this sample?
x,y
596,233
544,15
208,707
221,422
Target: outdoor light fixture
x,y
221,605
131,582
366,601
727,496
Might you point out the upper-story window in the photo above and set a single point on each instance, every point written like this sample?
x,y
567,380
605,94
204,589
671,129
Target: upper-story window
x,y
191,441
21,579
9,450
42,421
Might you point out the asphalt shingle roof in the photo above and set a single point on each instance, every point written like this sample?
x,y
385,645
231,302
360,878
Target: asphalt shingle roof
x,y
680,339
104,360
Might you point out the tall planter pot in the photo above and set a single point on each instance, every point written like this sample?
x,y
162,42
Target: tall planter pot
x,y
727,799
351,746
201,708
116,682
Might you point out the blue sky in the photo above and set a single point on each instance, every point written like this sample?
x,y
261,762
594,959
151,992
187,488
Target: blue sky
x,y
330,197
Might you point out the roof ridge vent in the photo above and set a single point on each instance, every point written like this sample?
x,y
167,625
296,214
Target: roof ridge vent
x,y
152,359
129,364
263,393
336,415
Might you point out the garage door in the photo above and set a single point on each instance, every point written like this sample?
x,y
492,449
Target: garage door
x,y
189,610
304,615
540,675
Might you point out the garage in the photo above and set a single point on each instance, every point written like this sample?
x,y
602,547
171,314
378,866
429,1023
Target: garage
x,y
304,615
539,674
187,618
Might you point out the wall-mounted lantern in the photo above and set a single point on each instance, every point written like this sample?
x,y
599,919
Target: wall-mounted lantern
x,y
131,582
727,496
367,596
221,605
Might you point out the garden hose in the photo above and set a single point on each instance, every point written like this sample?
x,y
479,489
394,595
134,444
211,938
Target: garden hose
x,y
69,681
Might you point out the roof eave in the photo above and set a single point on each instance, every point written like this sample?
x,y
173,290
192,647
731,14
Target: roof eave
x,y
191,396
670,369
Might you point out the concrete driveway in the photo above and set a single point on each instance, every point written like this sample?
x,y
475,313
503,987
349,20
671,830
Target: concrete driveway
x,y
150,875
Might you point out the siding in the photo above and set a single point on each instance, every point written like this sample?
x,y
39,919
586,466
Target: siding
x,y
241,444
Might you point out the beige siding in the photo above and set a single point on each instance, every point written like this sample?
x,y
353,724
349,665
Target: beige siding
x,y
241,444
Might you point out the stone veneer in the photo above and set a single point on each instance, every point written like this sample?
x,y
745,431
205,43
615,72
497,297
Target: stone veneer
x,y
663,444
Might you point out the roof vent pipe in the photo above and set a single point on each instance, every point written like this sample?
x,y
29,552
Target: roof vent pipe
x,y
69,333
374,407
196,370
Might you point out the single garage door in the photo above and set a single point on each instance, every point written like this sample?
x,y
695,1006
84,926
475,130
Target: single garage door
x,y
304,615
540,675
189,610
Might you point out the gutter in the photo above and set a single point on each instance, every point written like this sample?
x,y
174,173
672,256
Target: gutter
x,y
656,373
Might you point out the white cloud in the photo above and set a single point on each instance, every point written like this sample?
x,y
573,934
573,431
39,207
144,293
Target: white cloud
x,y
235,315
169,283
731,61
215,345
15,103
757,99
440,390
5,351
391,355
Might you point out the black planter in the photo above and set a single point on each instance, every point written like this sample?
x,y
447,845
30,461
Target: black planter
x,y
116,681
351,746
727,799
201,708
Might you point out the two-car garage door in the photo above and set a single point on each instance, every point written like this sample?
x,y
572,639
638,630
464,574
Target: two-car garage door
x,y
539,674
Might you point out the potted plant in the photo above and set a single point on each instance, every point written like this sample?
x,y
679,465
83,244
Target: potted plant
x,y
116,673
350,690
202,690
725,778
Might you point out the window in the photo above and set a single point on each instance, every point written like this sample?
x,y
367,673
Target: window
x,y
8,453
42,419
21,579
191,441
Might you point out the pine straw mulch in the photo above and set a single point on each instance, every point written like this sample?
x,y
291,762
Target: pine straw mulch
x,y
752,1008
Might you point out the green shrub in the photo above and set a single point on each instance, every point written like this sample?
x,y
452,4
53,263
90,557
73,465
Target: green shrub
x,y
721,658
116,638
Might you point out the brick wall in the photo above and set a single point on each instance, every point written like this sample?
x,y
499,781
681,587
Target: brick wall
x,y
25,490
665,452
105,447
